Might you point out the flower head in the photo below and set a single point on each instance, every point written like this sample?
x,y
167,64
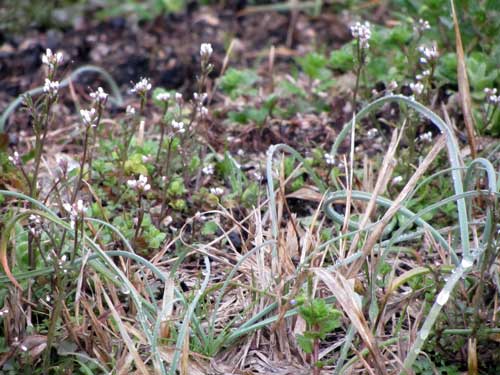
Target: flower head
x,y
163,97
142,87
89,117
51,87
491,96
100,96
76,209
217,191
421,25
429,53
206,50
130,110
140,185
329,159
178,126
52,60
208,169
15,159
417,88
362,32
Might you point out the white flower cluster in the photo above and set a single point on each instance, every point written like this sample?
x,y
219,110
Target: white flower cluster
x,y
491,96
34,225
142,87
206,50
163,97
218,191
140,185
429,53
208,169
51,87
329,159
421,25
417,88
178,126
15,159
362,32
200,98
130,110
76,209
100,96
89,117
52,60
426,73
425,137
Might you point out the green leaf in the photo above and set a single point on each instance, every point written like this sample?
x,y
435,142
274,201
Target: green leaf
x,y
250,195
209,228
305,343
342,59
236,82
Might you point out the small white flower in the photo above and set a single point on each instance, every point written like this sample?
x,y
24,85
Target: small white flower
x,y
329,159
142,87
76,209
89,117
178,126
51,87
208,169
362,32
429,53
100,96
425,137
397,180
417,88
491,96
146,159
15,159
178,97
203,111
217,191
257,176
52,59
141,184
240,152
372,133
200,98
130,110
163,97
421,26
393,85
206,50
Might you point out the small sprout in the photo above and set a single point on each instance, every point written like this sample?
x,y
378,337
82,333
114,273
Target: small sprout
x,y
178,126
15,159
397,180
208,169
140,185
51,87
218,191
142,87
362,33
